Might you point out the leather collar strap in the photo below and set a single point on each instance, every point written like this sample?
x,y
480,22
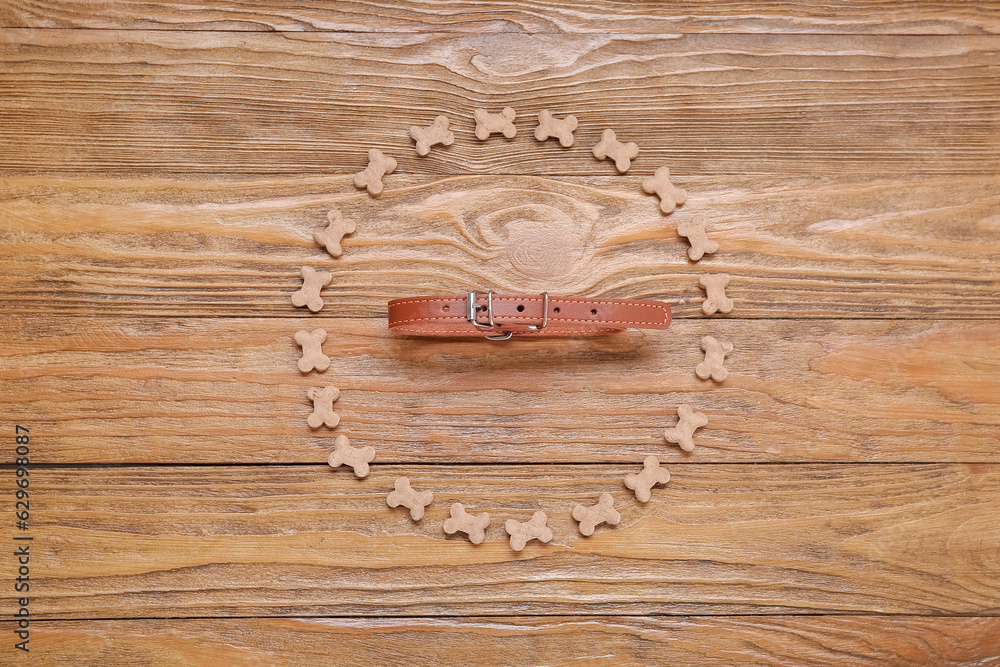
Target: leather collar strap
x,y
499,317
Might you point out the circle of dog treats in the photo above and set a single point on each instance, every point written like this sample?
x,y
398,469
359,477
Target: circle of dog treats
x,y
643,482
694,230
532,529
487,123
323,406
312,282
403,494
379,165
603,512
357,458
436,133
715,293
670,196
406,495
551,127
715,355
689,421
336,228
311,343
473,525
610,147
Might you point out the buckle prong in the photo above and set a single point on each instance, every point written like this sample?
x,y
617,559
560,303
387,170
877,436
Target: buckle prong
x,y
472,307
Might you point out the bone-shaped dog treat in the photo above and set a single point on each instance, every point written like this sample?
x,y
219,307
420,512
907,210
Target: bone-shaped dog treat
x,y
549,126
379,165
436,133
487,123
532,529
312,282
670,195
643,482
311,343
715,355
473,525
694,230
715,293
610,147
683,433
602,512
356,457
337,226
323,406
407,496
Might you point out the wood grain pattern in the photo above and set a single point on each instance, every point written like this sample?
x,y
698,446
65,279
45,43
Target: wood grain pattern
x,y
539,16
143,390
861,641
217,102
718,539
916,247
164,164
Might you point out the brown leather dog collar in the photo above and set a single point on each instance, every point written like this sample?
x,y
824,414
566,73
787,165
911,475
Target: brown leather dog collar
x,y
499,317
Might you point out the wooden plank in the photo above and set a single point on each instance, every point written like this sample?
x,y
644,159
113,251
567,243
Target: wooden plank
x,y
863,641
542,16
294,103
913,247
149,390
307,540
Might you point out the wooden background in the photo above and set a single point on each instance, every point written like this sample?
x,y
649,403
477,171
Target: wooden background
x,y
164,164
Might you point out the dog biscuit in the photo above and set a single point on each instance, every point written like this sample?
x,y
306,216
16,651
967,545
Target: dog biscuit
x,y
689,421
670,195
488,123
610,147
357,458
311,343
379,165
651,475
406,495
603,512
715,293
323,407
473,525
551,127
715,355
533,529
312,282
336,228
694,230
436,133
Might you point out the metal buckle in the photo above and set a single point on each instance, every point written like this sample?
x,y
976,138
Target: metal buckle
x,y
472,307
